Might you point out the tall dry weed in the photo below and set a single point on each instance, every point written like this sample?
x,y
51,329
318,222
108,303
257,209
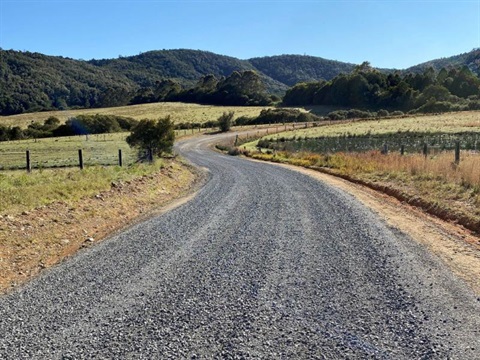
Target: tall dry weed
x,y
440,167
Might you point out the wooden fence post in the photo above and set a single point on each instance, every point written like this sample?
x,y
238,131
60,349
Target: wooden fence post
x,y
80,158
150,155
425,149
457,152
29,165
385,149
120,160
402,149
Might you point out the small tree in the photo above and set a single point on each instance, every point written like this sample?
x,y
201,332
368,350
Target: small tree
x,y
154,136
225,121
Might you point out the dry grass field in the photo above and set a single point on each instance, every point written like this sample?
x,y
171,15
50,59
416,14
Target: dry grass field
x,y
467,121
179,112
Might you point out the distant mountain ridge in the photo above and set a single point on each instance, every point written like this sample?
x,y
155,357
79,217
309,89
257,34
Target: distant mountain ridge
x,y
34,82
470,59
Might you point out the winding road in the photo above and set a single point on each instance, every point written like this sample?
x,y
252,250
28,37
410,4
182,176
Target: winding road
x,y
263,263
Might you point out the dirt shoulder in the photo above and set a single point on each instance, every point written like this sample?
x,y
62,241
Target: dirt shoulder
x,y
458,248
37,239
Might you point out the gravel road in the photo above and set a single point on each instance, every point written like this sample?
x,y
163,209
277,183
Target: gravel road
x,y
263,263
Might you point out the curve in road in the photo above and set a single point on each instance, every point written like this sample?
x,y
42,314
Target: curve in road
x,y
263,263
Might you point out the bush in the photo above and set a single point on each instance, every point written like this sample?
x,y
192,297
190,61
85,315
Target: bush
x,y
155,136
225,121
244,120
234,151
382,113
262,143
276,116
337,115
358,114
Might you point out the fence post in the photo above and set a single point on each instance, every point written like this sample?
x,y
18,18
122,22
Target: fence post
x,y
457,152
385,149
425,149
150,155
29,165
402,149
120,160
80,158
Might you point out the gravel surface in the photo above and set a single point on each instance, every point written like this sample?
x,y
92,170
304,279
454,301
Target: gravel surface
x,y
263,263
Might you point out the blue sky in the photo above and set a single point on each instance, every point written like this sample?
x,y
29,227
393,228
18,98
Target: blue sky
x,y
388,34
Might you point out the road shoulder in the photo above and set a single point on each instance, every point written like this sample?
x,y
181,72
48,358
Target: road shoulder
x,y
41,238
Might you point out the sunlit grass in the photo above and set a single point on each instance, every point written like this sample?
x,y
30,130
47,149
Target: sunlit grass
x,y
20,191
468,121
179,112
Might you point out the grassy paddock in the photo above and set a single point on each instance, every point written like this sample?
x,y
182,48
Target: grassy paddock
x,y
467,121
20,191
179,112
101,149
63,151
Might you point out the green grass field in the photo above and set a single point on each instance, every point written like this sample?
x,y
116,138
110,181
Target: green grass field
x,y
179,112
63,151
101,149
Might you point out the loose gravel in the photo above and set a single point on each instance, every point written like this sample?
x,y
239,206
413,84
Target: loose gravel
x,y
263,263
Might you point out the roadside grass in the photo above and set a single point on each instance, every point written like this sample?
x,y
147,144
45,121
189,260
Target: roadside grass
x,y
20,191
179,112
48,215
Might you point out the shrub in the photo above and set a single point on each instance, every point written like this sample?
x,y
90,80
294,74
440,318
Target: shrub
x,y
234,151
337,115
155,136
382,113
225,121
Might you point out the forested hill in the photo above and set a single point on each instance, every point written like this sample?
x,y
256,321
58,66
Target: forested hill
x,y
183,65
34,82
470,59
292,69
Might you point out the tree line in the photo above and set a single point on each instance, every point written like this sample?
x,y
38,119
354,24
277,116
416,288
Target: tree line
x,y
244,88
78,125
367,88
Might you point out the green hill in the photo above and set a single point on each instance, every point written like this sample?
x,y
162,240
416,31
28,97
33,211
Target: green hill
x,y
34,82
292,69
183,65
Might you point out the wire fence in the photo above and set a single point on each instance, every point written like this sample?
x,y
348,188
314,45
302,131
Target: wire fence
x,y
406,143
64,152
